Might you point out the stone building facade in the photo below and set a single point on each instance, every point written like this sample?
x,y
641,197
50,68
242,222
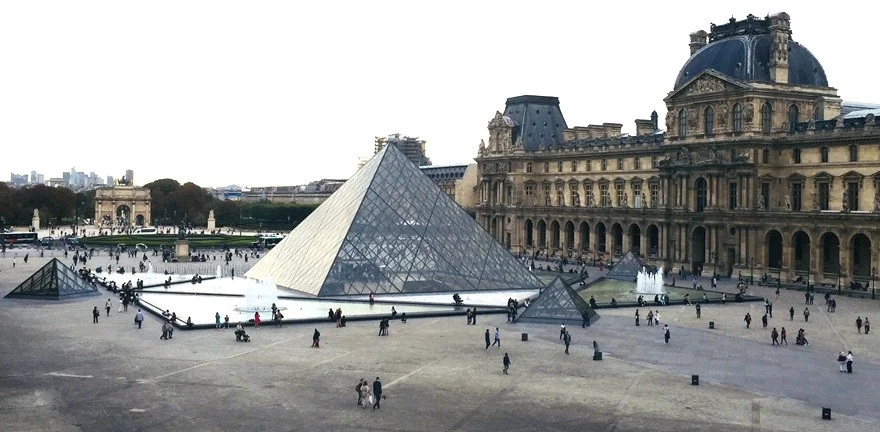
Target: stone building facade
x,y
761,169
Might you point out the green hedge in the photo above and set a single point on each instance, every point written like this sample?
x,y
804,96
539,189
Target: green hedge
x,y
197,241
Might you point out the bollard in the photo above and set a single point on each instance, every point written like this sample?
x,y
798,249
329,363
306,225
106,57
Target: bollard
x,y
711,325
695,380
826,413
525,337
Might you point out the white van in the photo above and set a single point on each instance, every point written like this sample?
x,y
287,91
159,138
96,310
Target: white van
x,y
145,231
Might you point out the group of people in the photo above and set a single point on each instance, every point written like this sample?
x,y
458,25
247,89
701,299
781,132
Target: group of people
x,y
369,394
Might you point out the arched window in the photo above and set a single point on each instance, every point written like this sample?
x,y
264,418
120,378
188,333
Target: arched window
x,y
708,120
700,189
793,114
766,117
682,123
737,121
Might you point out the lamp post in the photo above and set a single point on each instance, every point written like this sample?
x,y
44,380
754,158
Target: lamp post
x,y
3,234
751,270
873,278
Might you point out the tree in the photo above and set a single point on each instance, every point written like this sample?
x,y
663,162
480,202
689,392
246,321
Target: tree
x,y
159,192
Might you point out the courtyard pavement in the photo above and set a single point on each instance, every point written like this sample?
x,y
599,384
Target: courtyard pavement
x,y
61,372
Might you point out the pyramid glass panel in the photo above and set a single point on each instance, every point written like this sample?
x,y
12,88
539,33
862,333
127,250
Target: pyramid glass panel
x,y
390,229
558,303
627,268
53,281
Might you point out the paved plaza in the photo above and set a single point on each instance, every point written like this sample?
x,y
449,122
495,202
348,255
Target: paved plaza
x,y
61,372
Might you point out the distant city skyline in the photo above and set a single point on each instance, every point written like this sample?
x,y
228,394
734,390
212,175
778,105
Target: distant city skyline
x,y
284,93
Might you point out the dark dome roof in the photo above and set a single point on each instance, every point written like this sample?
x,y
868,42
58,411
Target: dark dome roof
x,y
747,58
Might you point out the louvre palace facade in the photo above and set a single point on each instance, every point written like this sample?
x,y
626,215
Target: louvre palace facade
x,y
759,167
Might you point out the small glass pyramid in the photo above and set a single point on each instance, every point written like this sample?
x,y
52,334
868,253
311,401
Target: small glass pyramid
x,y
53,281
627,268
390,229
558,303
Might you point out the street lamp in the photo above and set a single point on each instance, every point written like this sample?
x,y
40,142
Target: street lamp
x,y
751,270
3,234
873,278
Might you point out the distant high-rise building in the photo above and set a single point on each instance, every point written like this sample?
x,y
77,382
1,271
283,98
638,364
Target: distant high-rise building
x,y
33,177
129,176
412,147
18,180
110,181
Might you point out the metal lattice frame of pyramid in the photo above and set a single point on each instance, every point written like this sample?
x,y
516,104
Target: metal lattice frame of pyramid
x,y
627,268
53,281
558,303
390,229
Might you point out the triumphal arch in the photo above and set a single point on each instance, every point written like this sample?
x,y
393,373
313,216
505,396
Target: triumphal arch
x,y
122,206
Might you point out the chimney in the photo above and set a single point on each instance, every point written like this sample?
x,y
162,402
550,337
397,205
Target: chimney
x,y
780,32
644,127
698,40
611,130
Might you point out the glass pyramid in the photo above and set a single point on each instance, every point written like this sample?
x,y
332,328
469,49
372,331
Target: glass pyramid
x,y
390,229
54,281
626,268
558,303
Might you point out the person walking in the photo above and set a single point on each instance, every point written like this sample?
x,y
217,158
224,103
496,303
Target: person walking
x,y
377,393
748,319
497,338
357,389
488,340
637,317
841,361
562,332
217,320
782,336
859,324
666,333
849,362
95,315
698,310
316,339
867,326
506,362
806,314
764,320
567,340
791,314
120,306
473,316
138,318
256,319
165,326
108,306
777,293
656,317
366,394
774,335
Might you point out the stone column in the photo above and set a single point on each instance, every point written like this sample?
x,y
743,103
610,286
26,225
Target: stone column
x,y
643,243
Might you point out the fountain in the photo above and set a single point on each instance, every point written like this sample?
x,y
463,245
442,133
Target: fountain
x,y
649,283
260,296
219,273
149,267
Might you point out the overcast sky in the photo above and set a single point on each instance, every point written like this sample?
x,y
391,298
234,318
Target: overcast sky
x,y
285,92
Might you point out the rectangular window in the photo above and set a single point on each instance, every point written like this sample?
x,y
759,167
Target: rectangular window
x,y
574,166
655,194
529,190
589,164
547,201
575,199
546,167
590,199
637,163
604,164
559,166
765,156
620,164
852,190
796,155
605,197
653,161
528,167
853,153
621,201
823,154
637,196
797,193
732,195
824,192
765,191
560,197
